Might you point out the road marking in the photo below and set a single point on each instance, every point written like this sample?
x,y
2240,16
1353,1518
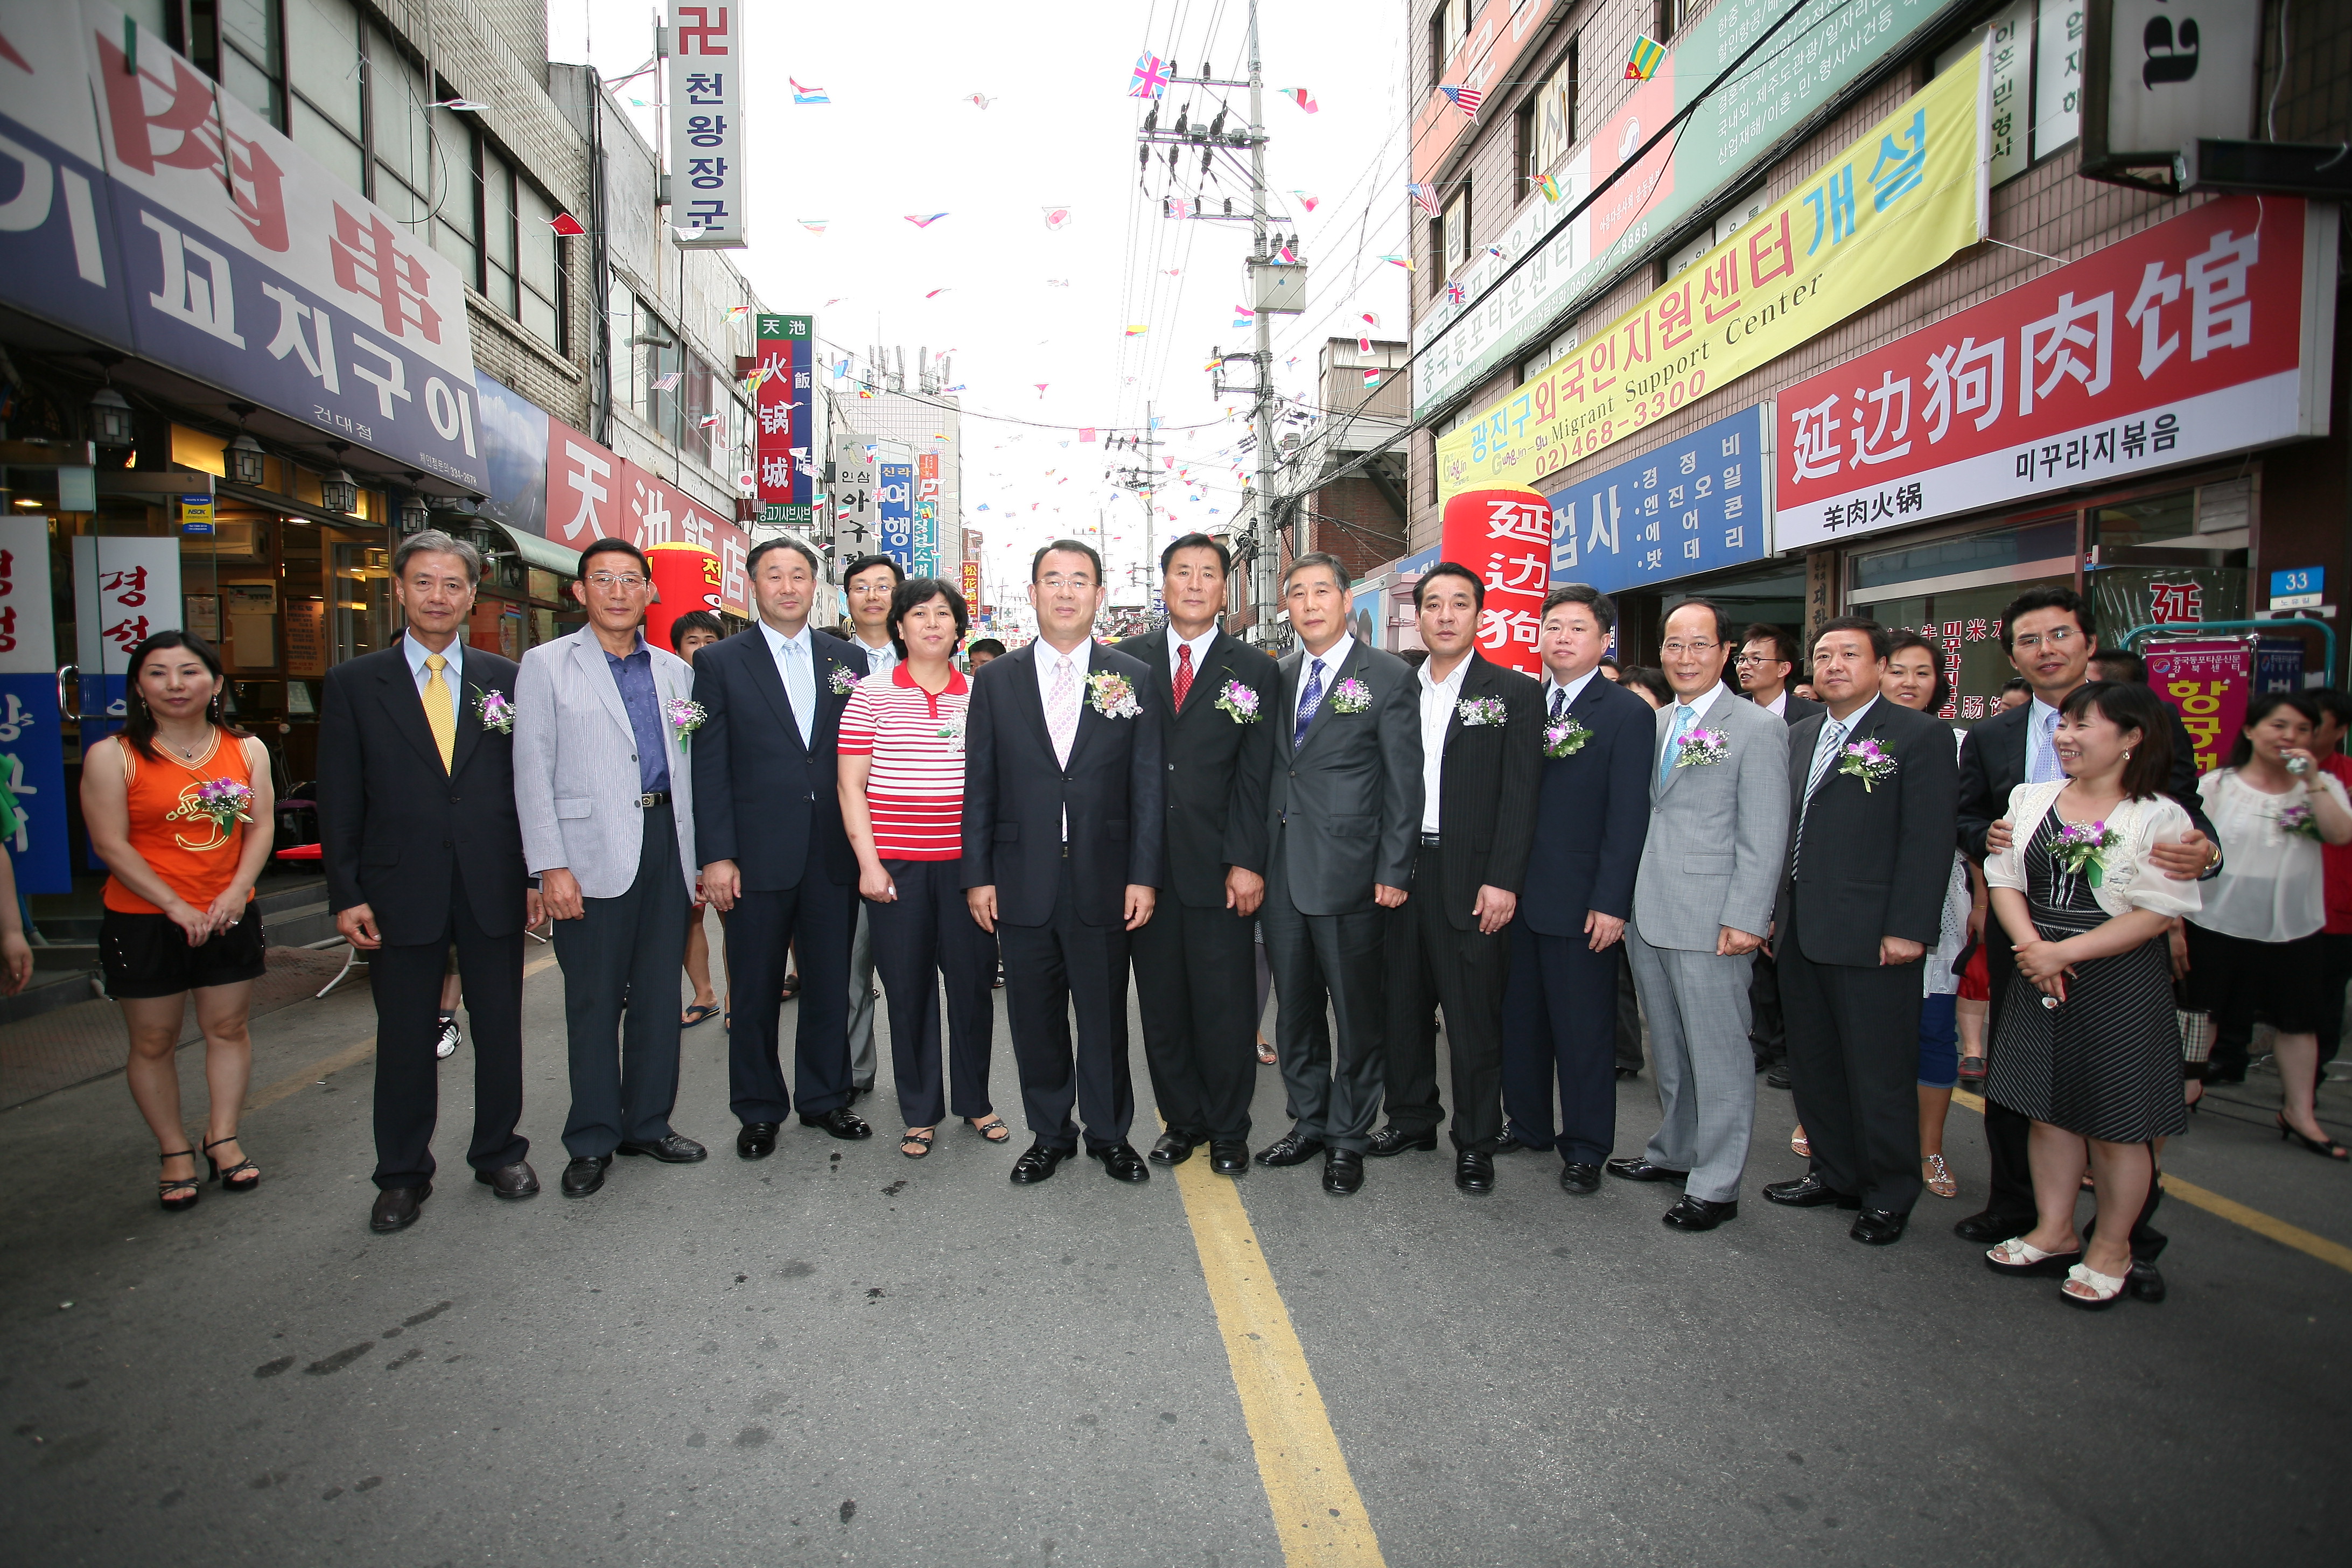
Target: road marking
x,y
349,1056
2231,1209
1318,1513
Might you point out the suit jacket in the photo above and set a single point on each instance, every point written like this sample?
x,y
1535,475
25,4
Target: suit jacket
x,y
1216,766
1593,814
1874,861
762,799
1487,787
1015,792
576,780
1797,709
1993,763
1344,809
393,824
1717,832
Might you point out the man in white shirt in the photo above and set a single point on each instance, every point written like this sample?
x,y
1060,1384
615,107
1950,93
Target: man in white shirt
x,y
1767,657
867,586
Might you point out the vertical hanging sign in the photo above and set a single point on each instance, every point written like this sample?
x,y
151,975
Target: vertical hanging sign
x,y
32,754
893,488
785,455
926,514
707,92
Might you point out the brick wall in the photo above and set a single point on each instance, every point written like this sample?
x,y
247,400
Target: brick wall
x,y
1352,520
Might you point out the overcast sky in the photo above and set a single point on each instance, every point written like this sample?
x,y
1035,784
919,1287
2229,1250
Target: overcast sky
x,y
902,137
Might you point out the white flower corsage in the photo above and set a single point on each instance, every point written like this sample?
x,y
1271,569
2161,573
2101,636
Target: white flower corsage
x,y
1239,700
1703,749
685,716
1351,697
950,729
842,681
1482,711
1112,695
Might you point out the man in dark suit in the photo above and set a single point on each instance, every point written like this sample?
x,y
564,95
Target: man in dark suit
x,y
775,861
1593,813
423,851
1343,820
1872,785
1446,946
1064,809
2050,637
1195,959
1767,657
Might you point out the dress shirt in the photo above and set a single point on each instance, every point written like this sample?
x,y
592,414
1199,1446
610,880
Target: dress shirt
x,y
1779,706
1698,706
1437,701
1843,729
795,659
1333,657
455,653
634,677
878,660
1048,660
1200,646
1575,689
2041,718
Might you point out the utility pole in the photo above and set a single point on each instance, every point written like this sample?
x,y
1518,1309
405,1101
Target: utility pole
x,y
1265,550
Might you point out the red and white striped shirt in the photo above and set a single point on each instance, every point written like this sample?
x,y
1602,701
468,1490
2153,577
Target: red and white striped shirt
x,y
914,787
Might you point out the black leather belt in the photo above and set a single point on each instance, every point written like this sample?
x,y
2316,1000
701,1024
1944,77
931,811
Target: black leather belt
x,y
656,797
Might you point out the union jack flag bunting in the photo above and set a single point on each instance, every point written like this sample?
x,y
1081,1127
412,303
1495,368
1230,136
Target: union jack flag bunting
x,y
1454,293
1466,98
1424,197
1150,80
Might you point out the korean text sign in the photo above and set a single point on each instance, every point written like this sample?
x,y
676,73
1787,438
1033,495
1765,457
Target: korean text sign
x,y
1691,505
708,91
1890,208
32,751
894,491
1504,534
782,403
2209,683
2205,335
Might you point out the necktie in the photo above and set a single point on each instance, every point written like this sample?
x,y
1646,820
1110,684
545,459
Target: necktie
x,y
1833,736
440,712
1684,716
1183,682
1559,701
1062,710
2046,761
1309,701
800,686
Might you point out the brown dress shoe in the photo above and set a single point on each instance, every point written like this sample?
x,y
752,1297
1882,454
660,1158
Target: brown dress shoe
x,y
396,1207
515,1180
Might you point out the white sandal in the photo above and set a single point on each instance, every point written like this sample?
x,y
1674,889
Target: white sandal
x,y
2019,1256
2097,1291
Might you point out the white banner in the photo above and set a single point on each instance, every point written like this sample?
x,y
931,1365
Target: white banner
x,y
28,642
125,590
707,95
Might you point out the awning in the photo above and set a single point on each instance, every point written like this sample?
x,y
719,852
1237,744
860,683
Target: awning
x,y
543,554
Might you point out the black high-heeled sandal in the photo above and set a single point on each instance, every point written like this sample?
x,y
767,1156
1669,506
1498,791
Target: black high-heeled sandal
x,y
177,1193
2325,1148
228,1179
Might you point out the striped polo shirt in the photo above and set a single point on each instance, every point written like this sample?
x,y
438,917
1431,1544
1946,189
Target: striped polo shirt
x,y
915,785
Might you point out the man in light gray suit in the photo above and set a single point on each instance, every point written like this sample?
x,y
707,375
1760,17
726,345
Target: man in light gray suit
x,y
1343,825
606,801
1702,905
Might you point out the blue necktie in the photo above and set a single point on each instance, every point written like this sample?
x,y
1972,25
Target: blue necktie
x,y
1684,714
1559,701
1309,701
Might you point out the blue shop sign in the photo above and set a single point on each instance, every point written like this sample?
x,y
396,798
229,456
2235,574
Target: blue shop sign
x,y
1693,505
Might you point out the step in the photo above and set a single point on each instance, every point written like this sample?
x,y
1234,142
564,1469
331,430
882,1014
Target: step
x,y
301,925
50,990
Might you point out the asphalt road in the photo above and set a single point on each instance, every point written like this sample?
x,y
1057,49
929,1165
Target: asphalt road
x,y
838,1355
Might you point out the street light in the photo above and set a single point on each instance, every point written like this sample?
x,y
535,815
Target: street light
x,y
110,418
414,516
338,491
244,459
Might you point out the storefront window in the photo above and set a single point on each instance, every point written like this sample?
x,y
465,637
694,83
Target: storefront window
x,y
2155,521
362,600
2002,549
1965,625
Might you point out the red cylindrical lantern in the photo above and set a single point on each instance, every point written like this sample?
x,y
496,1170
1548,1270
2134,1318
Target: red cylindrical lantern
x,y
1503,532
686,577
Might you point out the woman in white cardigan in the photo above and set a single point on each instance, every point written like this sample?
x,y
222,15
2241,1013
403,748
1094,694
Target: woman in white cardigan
x,y
2089,1044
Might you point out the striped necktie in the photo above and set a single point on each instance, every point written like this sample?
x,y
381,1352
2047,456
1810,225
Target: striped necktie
x,y
1833,736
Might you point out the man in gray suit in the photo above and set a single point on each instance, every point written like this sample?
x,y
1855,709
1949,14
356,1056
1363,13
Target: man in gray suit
x,y
1702,905
1343,822
607,803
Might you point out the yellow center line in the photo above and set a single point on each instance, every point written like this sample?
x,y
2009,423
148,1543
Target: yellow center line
x,y
1319,1515
2231,1209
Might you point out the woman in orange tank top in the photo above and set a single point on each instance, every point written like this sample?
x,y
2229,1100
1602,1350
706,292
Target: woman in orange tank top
x,y
178,806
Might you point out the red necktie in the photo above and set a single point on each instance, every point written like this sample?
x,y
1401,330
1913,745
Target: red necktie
x,y
1183,673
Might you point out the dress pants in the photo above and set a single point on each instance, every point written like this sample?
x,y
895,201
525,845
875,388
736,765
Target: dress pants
x,y
1853,1067
1051,970
1697,1007
1334,960
1766,1034
406,981
633,944
1628,1013
925,937
1558,1020
861,998
763,931
1194,981
1431,964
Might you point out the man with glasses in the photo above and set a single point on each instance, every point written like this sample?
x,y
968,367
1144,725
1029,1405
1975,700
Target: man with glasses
x,y
1767,657
867,585
606,796
1702,904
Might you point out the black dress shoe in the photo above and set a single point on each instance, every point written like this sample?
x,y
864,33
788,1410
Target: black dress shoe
x,y
1778,1078
756,1140
842,1122
1808,1191
1473,1171
396,1207
1394,1140
1343,1171
2144,1282
1699,1214
1580,1180
1228,1156
1172,1150
1623,1073
1637,1169
1878,1228
515,1180
1991,1229
674,1150
1037,1165
1122,1163
584,1174
1292,1148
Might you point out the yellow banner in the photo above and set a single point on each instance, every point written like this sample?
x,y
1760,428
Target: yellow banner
x,y
1895,206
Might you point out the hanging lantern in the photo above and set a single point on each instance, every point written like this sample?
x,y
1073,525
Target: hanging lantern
x,y
338,491
244,459
110,418
415,517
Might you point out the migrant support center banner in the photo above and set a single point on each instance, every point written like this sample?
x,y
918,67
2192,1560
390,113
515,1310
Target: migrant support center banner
x,y
1891,208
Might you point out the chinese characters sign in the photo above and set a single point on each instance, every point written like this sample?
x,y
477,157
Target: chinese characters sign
x,y
972,589
782,403
1504,534
1689,506
592,493
1891,208
708,91
2209,683
2206,334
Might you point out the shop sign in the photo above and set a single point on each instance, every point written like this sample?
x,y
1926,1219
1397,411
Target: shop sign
x,y
583,487
195,514
782,403
2209,683
1691,505
972,589
1891,208
2299,588
857,516
1810,62
2161,76
593,493
32,751
1504,534
708,92
2205,335
159,213
926,514
894,493
125,590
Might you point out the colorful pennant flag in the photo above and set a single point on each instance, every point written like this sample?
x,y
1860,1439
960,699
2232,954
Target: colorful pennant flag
x,y
1403,261
1057,219
1424,196
808,94
936,293
711,421
566,224
1643,63
737,312
1301,97
1548,186
1244,316
924,220
1454,293
1085,432
813,225
979,101
1372,378
1307,201
1148,80
1288,255
1372,319
1137,329
1041,387
1466,98
1496,251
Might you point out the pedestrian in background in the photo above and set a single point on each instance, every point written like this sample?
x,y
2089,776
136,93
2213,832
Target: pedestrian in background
x,y
691,631
980,651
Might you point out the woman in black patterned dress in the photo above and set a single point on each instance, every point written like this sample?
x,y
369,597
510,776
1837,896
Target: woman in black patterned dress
x,y
2089,1046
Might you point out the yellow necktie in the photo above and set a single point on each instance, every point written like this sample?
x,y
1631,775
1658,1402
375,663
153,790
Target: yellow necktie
x,y
440,714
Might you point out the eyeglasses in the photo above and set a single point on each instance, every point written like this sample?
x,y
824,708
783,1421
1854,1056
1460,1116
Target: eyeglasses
x,y
1055,580
628,582
1683,649
2057,639
1753,658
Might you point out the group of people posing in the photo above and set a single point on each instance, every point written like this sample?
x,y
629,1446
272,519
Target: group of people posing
x,y
1452,838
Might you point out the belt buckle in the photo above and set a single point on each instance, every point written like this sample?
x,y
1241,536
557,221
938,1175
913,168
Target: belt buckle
x,y
646,802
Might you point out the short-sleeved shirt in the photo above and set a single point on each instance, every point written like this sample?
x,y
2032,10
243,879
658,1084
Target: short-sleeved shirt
x,y
915,785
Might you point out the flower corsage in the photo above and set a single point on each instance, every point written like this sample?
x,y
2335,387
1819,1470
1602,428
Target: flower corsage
x,y
2297,822
842,681
1112,695
1863,760
1703,749
1351,697
2080,849
1482,711
1564,737
494,712
222,801
685,716
950,729
1240,702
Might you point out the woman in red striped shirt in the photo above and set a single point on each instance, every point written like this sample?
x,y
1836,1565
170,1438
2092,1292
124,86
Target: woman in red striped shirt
x,y
902,802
